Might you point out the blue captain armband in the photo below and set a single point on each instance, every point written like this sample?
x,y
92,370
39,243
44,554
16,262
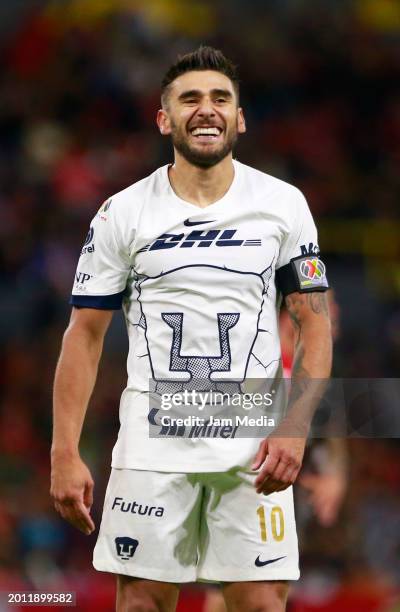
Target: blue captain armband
x,y
303,274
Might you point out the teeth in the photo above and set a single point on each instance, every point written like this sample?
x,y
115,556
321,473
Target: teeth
x,y
213,131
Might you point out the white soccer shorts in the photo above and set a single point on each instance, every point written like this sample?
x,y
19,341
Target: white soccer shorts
x,y
185,527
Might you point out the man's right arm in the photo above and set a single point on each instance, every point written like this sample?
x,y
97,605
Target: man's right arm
x,y
71,481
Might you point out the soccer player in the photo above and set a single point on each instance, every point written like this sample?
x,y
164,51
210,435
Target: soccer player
x,y
198,255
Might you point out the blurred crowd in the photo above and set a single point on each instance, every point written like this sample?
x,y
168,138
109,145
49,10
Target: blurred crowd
x,y
79,89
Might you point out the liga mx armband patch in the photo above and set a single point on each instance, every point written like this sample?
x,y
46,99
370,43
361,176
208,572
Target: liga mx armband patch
x,y
303,274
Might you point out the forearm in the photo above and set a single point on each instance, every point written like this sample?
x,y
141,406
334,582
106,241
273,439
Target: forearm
x,y
73,385
313,357
313,353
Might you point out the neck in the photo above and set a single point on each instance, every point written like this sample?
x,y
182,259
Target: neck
x,y
201,186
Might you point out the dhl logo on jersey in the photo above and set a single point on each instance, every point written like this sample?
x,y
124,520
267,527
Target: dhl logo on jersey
x,y
199,238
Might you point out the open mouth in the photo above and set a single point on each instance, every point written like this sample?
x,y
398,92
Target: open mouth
x,y
206,134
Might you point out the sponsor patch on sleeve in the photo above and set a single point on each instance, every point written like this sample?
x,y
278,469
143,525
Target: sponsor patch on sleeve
x,y
302,274
310,272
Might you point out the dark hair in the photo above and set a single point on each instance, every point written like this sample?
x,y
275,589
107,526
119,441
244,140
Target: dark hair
x,y
204,58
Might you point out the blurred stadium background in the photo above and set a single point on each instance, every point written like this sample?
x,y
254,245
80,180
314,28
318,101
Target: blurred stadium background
x,y
79,88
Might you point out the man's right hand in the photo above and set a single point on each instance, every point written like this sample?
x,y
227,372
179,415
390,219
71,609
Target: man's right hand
x,y
72,490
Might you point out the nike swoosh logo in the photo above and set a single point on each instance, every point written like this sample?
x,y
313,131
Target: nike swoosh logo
x,y
259,563
190,223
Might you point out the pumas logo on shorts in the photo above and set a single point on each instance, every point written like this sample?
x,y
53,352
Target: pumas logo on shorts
x,y
126,547
131,506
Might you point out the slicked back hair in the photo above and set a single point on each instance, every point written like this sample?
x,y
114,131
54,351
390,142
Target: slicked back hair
x,y
204,58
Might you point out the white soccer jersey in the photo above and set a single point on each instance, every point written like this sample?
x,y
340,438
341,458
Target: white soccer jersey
x,y
197,286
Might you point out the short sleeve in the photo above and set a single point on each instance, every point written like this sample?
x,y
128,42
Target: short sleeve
x,y
104,264
299,267
302,239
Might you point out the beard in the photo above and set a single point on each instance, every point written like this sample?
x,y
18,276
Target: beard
x,y
202,158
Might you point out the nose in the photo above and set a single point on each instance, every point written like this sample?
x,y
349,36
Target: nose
x,y
206,108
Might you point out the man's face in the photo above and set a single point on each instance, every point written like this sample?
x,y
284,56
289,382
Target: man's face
x,y
202,117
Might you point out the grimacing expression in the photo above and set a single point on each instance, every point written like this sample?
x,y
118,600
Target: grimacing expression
x,y
202,117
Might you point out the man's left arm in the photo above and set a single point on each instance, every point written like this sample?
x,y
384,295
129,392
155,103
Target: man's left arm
x,y
281,454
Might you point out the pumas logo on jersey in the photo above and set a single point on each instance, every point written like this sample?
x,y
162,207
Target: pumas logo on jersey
x,y
132,506
311,249
126,547
89,238
199,238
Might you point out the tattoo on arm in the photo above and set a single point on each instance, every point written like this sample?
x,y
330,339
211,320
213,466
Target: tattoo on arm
x,y
298,370
300,376
294,302
304,391
318,303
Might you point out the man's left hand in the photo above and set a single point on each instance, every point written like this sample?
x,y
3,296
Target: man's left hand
x,y
281,460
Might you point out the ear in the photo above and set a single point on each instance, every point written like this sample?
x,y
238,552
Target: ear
x,y
241,123
163,122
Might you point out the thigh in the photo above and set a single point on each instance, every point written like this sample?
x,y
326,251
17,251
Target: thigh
x,y
214,600
138,594
256,596
149,527
250,536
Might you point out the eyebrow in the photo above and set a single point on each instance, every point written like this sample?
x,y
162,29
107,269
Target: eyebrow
x,y
196,93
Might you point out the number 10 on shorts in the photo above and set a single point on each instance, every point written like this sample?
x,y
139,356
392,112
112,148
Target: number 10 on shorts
x,y
277,523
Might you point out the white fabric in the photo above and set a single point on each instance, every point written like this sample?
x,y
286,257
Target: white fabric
x,y
223,289
188,527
